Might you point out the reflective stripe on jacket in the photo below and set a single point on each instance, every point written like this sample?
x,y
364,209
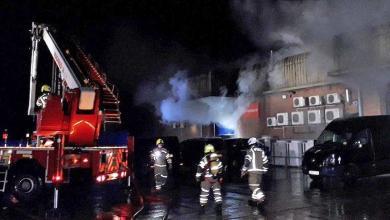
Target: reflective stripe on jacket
x,y
160,156
210,166
255,160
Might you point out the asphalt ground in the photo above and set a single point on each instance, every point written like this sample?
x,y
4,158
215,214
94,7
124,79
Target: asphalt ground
x,y
289,195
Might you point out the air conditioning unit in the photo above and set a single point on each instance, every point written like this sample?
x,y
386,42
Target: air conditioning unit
x,y
315,100
331,114
297,118
333,98
282,119
271,121
314,117
299,102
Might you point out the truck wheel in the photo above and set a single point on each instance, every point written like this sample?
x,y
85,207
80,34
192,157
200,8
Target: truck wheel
x,y
27,187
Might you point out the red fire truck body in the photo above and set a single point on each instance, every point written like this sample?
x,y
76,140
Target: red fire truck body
x,y
71,127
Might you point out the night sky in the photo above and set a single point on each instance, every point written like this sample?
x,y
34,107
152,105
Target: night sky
x,y
133,41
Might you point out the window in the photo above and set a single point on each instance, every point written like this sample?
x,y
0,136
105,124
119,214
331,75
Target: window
x,y
333,136
361,139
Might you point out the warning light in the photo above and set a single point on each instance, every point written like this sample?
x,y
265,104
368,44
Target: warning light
x,y
101,178
5,134
57,179
85,160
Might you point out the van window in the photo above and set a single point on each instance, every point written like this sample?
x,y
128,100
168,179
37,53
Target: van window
x,y
361,139
333,136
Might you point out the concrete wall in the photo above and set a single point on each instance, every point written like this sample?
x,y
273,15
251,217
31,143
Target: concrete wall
x,y
374,102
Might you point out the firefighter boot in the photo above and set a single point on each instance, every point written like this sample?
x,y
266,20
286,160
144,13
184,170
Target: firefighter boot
x,y
218,209
251,202
202,209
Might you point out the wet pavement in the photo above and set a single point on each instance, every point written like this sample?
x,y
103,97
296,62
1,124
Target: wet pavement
x,y
289,193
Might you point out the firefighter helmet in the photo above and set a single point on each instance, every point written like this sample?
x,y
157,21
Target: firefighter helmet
x,y
45,88
159,141
252,141
209,148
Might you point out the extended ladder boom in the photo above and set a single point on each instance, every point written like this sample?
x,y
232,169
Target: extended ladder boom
x,y
42,32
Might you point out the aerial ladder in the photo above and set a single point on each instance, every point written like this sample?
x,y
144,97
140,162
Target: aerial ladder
x,y
72,128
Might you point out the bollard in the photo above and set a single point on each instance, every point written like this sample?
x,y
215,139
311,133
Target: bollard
x,y
129,181
55,201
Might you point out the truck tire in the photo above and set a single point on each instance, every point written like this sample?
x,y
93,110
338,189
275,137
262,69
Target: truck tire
x,y
27,187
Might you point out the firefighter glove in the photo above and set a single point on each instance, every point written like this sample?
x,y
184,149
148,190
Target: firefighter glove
x,y
243,173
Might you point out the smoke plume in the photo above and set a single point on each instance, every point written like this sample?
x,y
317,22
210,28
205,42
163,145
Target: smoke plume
x,y
290,27
180,106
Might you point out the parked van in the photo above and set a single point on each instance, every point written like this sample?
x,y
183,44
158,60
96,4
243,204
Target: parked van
x,y
350,148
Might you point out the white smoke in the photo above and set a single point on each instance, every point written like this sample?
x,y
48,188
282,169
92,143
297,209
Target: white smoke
x,y
292,27
311,26
224,111
180,106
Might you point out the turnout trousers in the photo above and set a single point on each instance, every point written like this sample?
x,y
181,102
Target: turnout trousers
x,y
254,182
206,185
160,176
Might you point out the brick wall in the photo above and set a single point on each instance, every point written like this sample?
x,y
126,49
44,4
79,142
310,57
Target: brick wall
x,y
283,102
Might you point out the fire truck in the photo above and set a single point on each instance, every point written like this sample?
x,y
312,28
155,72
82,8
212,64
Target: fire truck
x,y
72,130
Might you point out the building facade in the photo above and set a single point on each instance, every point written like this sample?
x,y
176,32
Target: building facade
x,y
302,100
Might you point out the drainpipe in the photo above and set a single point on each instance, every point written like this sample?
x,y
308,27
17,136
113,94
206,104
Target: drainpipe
x,y
360,104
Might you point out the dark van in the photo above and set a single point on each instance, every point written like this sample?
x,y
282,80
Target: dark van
x,y
350,148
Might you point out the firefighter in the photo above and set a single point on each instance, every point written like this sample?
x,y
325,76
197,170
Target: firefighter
x,y
209,174
255,165
160,158
42,100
